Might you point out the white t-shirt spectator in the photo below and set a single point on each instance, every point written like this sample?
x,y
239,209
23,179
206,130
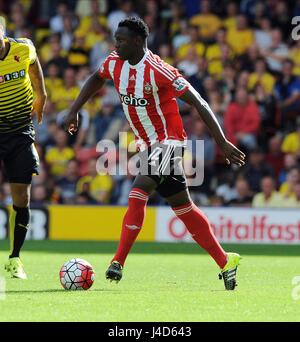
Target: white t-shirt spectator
x,y
263,39
280,51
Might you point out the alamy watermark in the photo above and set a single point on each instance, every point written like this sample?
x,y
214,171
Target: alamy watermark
x,y
296,29
296,288
161,159
2,288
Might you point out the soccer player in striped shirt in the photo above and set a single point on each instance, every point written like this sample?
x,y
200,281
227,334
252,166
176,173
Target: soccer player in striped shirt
x,y
19,71
147,87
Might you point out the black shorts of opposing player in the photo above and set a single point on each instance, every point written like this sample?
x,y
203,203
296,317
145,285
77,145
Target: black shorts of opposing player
x,y
19,155
163,163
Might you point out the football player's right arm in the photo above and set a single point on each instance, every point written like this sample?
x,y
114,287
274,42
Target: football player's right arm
x,y
92,85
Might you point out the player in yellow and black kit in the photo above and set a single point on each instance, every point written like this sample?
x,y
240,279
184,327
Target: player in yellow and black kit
x,y
19,71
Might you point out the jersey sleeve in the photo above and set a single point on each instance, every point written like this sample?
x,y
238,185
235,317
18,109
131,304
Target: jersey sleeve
x,y
104,68
32,50
171,78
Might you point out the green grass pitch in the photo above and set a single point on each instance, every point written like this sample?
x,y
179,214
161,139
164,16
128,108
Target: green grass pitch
x,y
162,282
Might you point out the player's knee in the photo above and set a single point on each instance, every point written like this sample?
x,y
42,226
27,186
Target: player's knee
x,y
181,198
21,199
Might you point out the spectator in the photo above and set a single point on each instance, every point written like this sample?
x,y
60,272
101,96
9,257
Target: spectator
x,y
268,114
226,188
96,34
57,157
189,66
155,38
182,36
82,75
263,35
242,120
67,34
96,15
287,92
84,198
256,168
2,198
274,156
125,10
291,142
243,194
83,155
228,82
62,96
194,44
99,52
56,22
241,37
287,189
197,79
276,52
281,18
243,80
39,196
98,185
66,186
261,76
230,21
207,22
52,52
78,54
246,61
218,54
6,194
294,201
18,20
260,10
294,55
98,6
43,135
176,20
52,79
268,197
289,162
103,120
165,52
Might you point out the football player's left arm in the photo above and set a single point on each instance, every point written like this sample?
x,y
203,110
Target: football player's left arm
x,y
231,152
38,84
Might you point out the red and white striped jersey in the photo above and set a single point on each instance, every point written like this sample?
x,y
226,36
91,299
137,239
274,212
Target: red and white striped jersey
x,y
147,91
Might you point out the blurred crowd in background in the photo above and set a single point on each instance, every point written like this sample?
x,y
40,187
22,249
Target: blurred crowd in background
x,y
239,55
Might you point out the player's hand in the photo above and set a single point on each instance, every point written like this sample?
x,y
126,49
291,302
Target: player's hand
x,y
71,123
38,108
232,154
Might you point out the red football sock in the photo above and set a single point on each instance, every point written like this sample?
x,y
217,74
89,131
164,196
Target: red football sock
x,y
132,223
198,225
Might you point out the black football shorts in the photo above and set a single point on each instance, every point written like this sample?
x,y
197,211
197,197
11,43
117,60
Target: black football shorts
x,y
19,155
163,163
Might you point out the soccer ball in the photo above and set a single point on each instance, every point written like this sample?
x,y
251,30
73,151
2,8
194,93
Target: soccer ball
x,y
76,274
